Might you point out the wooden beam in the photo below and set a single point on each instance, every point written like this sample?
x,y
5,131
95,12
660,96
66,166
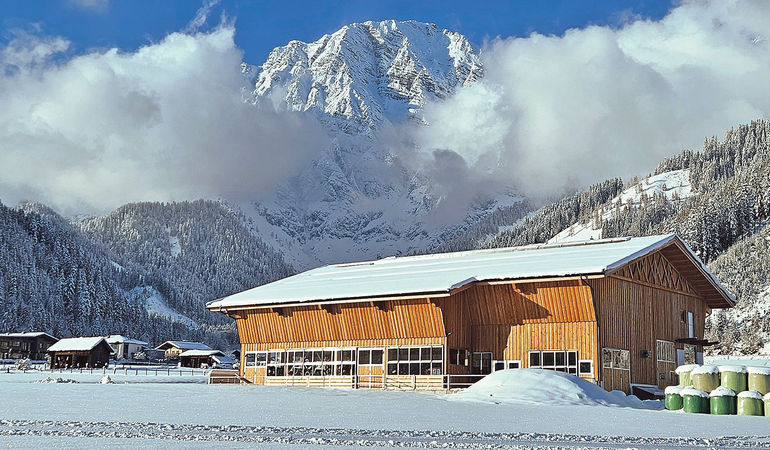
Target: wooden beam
x,y
655,286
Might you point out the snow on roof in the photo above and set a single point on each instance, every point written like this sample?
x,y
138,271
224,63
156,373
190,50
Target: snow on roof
x,y
27,334
223,359
201,353
120,339
184,345
440,273
76,344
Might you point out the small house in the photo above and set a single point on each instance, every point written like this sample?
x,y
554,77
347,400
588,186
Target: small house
x,y
210,358
125,348
80,352
31,345
173,349
616,312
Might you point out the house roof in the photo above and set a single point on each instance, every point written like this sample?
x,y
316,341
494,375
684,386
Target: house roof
x,y
76,344
201,353
183,345
120,339
442,273
223,359
28,334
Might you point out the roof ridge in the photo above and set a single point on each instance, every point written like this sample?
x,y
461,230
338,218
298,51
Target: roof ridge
x,y
520,248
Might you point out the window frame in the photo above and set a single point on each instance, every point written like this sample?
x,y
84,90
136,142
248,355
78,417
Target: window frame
x,y
555,356
591,365
400,365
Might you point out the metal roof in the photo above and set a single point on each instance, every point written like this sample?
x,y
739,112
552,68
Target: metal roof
x,y
441,273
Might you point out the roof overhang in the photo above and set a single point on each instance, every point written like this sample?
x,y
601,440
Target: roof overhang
x,y
406,296
678,253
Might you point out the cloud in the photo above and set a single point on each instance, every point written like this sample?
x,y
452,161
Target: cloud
x,y
98,5
163,123
556,113
201,15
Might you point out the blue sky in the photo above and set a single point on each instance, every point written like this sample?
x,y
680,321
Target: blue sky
x,y
263,25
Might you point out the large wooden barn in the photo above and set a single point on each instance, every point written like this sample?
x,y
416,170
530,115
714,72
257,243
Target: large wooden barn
x,y
616,311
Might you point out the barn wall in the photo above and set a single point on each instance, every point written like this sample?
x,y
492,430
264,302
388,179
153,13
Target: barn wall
x,y
632,316
511,319
352,322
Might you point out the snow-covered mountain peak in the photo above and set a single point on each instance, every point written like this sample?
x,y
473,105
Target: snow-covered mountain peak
x,y
365,73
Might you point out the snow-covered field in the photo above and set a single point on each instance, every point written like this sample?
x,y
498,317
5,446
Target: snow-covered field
x,y
147,414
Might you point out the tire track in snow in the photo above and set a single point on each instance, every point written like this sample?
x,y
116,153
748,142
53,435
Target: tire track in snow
x,y
355,437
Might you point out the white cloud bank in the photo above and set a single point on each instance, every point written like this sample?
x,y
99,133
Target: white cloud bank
x,y
555,113
166,122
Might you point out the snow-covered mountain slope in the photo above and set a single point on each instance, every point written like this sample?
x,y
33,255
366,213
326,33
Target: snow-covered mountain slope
x,y
356,200
674,186
366,73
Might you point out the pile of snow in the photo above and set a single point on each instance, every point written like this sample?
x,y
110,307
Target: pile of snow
x,y
106,380
55,380
546,387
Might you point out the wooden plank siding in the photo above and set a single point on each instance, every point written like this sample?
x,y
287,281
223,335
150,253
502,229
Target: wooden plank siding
x,y
510,319
309,325
633,315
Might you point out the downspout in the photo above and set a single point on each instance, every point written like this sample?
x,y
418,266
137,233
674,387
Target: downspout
x,y
598,367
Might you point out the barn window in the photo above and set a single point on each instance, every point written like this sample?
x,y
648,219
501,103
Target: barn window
x,y
250,359
261,359
586,367
276,363
502,365
416,361
481,363
558,360
457,356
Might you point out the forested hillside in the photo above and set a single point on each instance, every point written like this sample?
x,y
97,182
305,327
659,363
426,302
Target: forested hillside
x,y
190,252
55,280
145,270
723,219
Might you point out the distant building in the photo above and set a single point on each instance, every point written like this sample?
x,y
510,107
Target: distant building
x,y
173,349
32,345
80,352
211,358
124,347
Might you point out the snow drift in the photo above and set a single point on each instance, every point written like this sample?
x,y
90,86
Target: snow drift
x,y
546,387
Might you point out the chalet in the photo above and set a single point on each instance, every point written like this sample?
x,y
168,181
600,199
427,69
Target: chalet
x,y
125,348
80,352
31,345
209,358
616,311
173,349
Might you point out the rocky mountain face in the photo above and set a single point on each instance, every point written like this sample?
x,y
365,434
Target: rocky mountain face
x,y
357,200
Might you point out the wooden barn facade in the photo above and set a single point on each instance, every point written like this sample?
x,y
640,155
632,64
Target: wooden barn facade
x,y
80,352
616,311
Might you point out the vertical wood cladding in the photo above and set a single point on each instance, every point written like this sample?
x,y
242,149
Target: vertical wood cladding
x,y
511,319
315,326
632,316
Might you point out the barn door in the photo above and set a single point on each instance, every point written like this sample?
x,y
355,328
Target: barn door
x,y
665,355
616,369
371,367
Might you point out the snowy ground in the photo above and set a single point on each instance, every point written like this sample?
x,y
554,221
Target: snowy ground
x,y
139,412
